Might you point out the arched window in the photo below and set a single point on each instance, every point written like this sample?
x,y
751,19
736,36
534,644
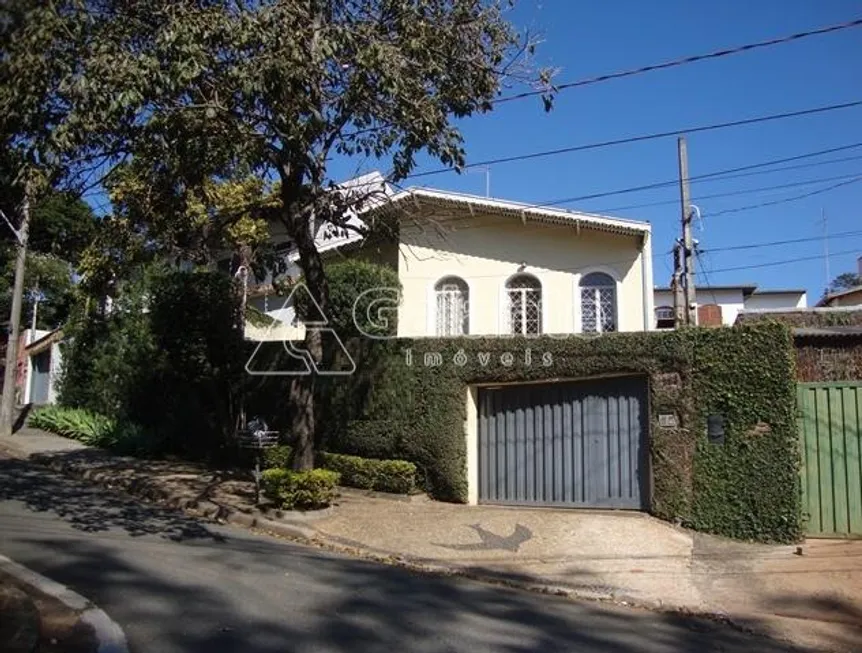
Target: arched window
x,y
524,293
453,317
598,303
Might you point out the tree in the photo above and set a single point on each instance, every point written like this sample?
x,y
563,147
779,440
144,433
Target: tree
x,y
844,281
222,90
60,124
62,227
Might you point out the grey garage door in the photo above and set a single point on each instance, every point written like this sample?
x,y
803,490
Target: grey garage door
x,y
572,444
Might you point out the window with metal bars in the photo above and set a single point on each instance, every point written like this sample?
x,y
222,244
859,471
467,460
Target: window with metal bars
x,y
453,317
598,303
524,293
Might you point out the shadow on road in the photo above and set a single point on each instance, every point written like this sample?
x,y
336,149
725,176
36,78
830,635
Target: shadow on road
x,y
175,585
92,509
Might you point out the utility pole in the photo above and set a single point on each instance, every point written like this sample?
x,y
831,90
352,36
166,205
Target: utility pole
x,y
679,313
687,238
7,404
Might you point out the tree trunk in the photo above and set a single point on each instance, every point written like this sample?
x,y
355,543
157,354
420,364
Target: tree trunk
x,y
301,398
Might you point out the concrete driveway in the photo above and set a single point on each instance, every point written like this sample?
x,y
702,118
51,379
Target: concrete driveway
x,y
814,599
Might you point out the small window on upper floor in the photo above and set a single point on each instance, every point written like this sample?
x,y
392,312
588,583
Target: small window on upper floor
x,y
598,303
524,295
453,296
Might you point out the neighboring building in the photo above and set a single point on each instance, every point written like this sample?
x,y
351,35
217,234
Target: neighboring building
x,y
720,305
39,363
473,265
848,297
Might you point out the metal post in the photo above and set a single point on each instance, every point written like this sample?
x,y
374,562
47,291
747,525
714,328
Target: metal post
x,y
687,239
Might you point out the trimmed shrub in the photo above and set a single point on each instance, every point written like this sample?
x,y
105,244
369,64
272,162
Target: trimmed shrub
x,y
277,457
308,490
396,476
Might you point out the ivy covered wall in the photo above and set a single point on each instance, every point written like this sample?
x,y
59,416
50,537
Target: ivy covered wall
x,y
408,400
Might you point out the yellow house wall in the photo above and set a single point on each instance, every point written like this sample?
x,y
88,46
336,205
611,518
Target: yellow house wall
x,y
486,250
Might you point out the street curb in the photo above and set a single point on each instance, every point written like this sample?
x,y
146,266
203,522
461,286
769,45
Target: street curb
x,y
307,535
109,635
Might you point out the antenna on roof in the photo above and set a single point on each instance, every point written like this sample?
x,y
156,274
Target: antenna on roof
x,y
487,171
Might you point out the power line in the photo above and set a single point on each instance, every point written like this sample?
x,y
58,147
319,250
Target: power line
x,y
648,137
775,243
738,176
783,262
792,184
726,173
701,178
785,200
685,60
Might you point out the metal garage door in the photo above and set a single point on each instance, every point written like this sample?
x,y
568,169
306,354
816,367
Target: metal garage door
x,y
571,444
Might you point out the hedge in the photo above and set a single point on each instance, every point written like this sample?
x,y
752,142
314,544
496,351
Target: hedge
x,y
408,401
396,476
309,490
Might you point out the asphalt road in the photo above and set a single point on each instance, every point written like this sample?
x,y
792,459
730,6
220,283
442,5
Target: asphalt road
x,y
180,585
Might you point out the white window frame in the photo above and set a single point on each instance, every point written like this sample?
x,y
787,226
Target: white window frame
x,y
578,299
434,313
507,305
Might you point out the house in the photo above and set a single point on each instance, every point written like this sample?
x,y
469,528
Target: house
x,y
472,265
39,362
720,305
848,297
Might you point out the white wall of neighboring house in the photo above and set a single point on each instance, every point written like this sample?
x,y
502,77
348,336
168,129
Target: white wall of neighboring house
x,y
54,370
775,300
733,300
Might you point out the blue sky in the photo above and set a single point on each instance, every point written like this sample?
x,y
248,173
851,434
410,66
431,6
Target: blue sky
x,y
585,39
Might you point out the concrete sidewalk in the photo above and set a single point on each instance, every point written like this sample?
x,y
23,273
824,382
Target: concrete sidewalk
x,y
813,599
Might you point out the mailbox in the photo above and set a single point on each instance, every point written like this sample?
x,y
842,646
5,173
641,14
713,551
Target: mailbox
x,y
715,429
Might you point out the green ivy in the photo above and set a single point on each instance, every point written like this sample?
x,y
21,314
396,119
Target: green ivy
x,y
397,407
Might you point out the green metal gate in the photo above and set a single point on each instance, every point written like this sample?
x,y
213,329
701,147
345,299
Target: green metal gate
x,y
830,429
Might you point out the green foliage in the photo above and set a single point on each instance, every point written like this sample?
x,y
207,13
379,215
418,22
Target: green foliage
x,y
90,428
397,407
308,490
749,487
360,292
278,456
95,430
168,357
845,281
396,476
61,227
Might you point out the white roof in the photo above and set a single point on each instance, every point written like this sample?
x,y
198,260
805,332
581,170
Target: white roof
x,y
525,211
380,195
